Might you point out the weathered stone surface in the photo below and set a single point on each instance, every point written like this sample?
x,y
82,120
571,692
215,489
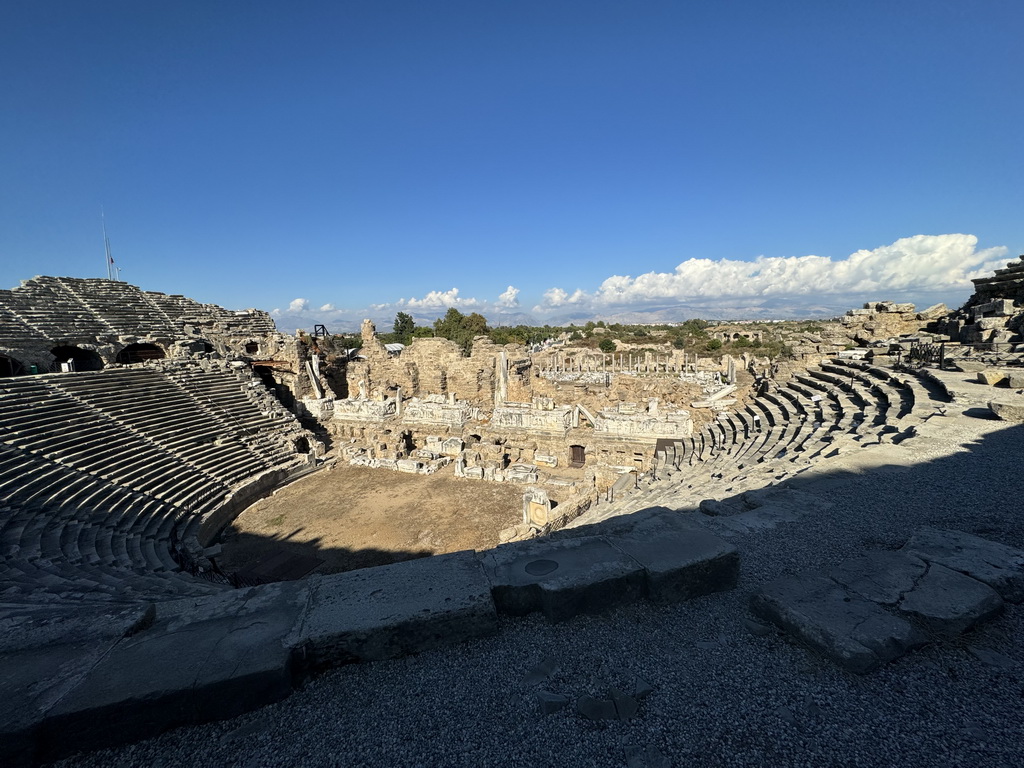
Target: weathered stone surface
x,y
1008,410
999,566
881,577
1015,380
203,659
933,312
853,632
562,578
45,653
680,561
947,602
392,610
991,377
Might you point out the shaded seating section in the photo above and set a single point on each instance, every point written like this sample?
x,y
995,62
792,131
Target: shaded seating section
x,y
106,477
836,407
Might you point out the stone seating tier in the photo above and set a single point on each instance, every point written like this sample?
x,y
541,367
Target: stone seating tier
x,y
93,491
75,310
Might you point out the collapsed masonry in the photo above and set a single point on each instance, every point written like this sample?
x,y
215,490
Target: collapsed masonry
x,y
994,314
579,417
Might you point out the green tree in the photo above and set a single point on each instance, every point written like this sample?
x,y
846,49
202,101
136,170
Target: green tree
x,y
607,346
461,328
404,327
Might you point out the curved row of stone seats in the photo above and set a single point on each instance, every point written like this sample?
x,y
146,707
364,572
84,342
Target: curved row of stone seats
x,y
162,413
123,307
41,419
58,535
51,309
15,332
104,475
65,309
235,398
183,310
913,389
775,434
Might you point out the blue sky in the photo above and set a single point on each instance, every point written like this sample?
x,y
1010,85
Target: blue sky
x,y
548,160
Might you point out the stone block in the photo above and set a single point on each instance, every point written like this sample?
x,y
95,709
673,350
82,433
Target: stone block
x,y
881,577
995,564
1015,380
203,659
991,378
933,312
947,602
562,578
856,634
680,561
991,323
1008,410
44,654
393,610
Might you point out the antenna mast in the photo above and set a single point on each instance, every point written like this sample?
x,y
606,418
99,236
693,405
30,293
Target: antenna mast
x,y
106,246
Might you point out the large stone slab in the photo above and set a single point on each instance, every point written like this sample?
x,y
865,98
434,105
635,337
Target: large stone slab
x,y
999,566
393,610
944,602
947,602
1008,410
881,577
202,659
562,578
855,633
680,560
45,652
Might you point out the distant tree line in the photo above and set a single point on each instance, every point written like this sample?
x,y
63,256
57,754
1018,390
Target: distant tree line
x,y
691,336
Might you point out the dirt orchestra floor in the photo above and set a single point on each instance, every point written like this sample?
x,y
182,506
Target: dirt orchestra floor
x,y
355,517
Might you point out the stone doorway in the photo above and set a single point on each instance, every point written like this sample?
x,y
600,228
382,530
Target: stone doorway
x,y
577,456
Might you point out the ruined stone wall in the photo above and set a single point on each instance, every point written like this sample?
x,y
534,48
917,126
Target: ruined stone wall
x,y
434,366
994,314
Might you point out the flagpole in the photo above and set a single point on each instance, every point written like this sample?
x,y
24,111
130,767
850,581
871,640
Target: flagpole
x,y
106,245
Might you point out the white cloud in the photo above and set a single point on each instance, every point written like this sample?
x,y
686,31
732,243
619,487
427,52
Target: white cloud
x,y
328,307
919,264
556,297
298,305
436,300
509,298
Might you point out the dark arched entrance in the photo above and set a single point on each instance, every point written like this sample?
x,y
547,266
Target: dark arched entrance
x,y
10,366
80,359
139,353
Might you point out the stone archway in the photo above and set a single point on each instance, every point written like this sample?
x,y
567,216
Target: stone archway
x,y
77,359
139,353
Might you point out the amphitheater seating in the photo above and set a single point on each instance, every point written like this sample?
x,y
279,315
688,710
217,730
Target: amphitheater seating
x,y
104,475
66,309
839,405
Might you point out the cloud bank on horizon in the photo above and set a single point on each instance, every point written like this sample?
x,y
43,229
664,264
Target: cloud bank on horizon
x,y
922,268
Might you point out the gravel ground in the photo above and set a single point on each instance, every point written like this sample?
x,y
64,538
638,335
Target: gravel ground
x,y
722,696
